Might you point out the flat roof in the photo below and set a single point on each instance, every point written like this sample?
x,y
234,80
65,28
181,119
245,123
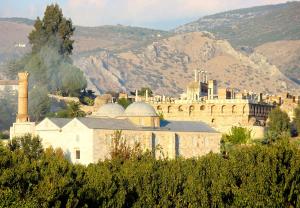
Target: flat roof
x,y
126,124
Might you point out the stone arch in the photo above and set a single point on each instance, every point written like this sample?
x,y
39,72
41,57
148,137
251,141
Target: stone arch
x,y
180,108
233,109
251,109
223,109
191,109
212,108
244,109
169,109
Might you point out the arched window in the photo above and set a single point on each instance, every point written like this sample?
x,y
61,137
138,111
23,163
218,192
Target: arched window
x,y
191,109
202,107
159,108
180,109
212,109
233,109
244,109
169,109
223,109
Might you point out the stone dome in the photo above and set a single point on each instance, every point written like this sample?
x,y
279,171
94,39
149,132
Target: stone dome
x,y
140,109
111,110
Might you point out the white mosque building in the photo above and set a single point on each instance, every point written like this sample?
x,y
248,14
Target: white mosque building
x,y
90,139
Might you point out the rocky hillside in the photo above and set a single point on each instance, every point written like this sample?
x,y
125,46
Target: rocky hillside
x,y
167,66
252,26
285,55
126,58
88,40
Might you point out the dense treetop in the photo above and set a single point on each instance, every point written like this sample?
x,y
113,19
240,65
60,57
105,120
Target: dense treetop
x,y
53,29
249,176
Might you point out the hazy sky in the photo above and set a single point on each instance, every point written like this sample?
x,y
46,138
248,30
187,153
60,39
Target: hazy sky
x,y
162,14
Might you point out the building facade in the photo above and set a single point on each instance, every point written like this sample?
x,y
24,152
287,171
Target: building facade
x,y
88,140
221,108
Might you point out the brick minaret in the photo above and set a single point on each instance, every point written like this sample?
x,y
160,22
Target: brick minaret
x,y
23,97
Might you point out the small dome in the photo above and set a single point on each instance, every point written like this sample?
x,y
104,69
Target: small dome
x,y
111,110
140,109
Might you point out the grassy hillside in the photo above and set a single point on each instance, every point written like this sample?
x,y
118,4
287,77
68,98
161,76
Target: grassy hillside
x,y
252,26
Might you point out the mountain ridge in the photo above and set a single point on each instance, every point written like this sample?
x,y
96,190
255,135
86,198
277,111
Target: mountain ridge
x,y
251,26
124,58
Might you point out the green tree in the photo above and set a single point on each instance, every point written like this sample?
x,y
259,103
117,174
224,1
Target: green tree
x,y
54,29
30,145
49,63
297,118
237,136
142,91
278,124
72,110
39,103
121,149
124,102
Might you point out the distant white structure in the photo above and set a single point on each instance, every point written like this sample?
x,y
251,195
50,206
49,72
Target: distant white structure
x,y
20,45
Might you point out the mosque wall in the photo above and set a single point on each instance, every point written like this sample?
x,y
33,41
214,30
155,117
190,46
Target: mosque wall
x,y
163,144
197,144
215,113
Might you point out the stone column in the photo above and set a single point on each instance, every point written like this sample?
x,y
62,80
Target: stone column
x,y
205,79
23,97
147,95
136,95
202,77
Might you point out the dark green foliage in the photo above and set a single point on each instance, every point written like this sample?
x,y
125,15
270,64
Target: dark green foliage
x,y
124,102
297,119
278,124
54,30
238,135
250,176
142,91
72,111
3,135
87,97
29,145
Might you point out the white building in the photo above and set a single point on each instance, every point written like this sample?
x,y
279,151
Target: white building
x,y
88,140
